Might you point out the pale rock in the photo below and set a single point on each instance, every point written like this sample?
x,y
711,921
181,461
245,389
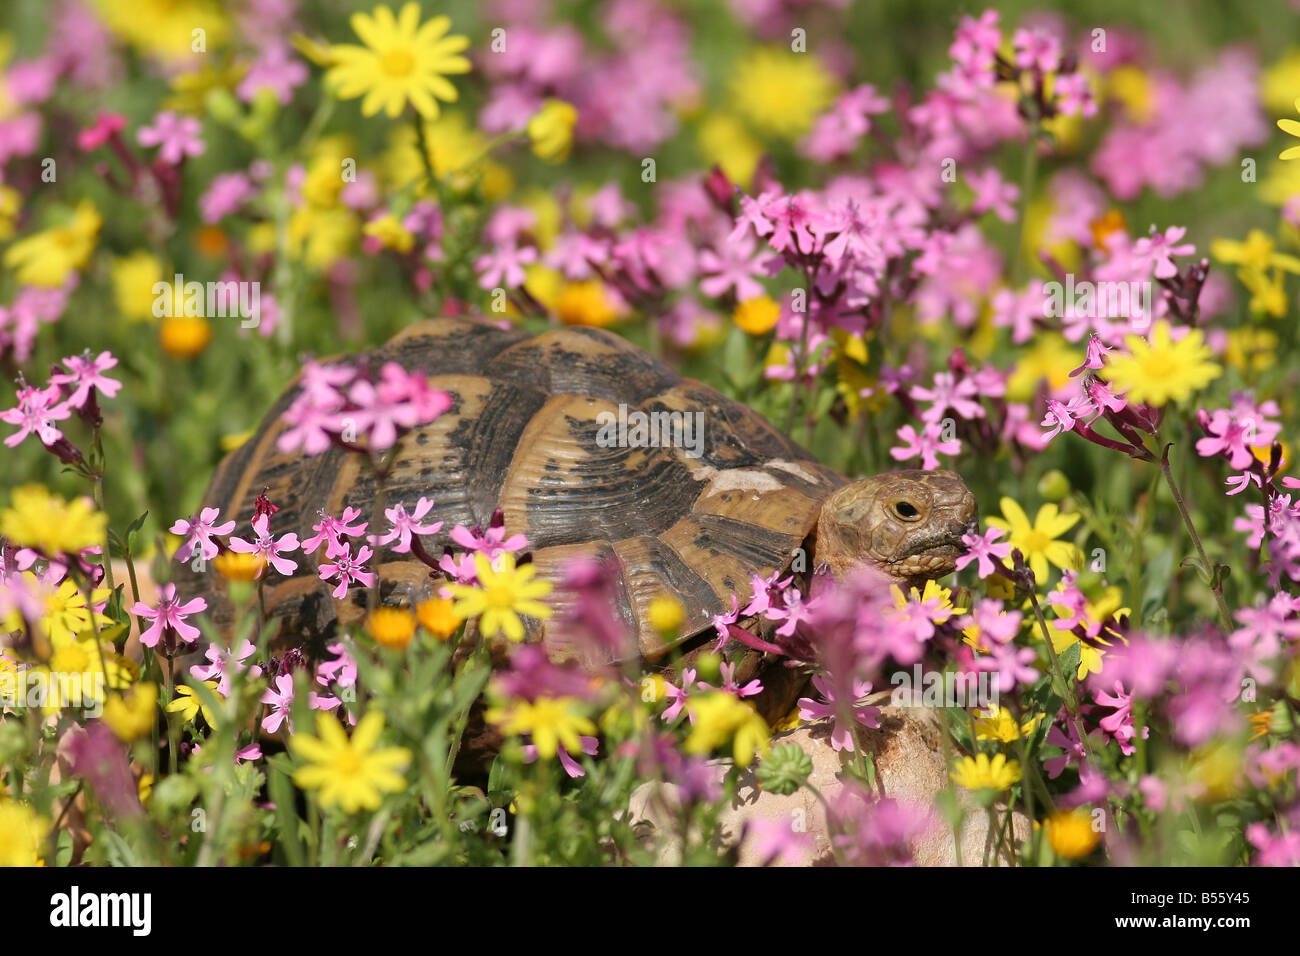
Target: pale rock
x,y
910,767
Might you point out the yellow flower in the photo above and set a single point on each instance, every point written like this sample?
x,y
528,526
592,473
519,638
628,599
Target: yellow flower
x,y
49,257
144,787
234,566
66,614
720,717
552,722
1279,82
134,277
725,142
586,302
10,202
1003,727
391,626
979,772
1251,349
1267,293
780,92
1217,770
666,614
1131,86
551,130
22,831
1099,612
402,61
438,616
932,592
1037,541
757,316
132,715
501,596
48,523
184,336
390,232
351,773
1291,128
1159,370
188,705
1071,833
166,27
1050,358
1257,251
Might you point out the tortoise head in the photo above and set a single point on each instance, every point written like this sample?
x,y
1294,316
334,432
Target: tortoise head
x,y
907,523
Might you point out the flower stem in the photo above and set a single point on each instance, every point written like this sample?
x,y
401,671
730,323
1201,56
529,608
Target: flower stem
x,y
1216,584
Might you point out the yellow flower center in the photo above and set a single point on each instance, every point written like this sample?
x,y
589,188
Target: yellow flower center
x,y
348,762
500,596
397,63
1035,541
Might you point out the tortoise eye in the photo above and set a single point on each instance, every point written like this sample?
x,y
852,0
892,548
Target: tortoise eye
x,y
906,510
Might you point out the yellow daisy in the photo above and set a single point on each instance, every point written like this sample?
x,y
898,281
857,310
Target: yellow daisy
x,y
351,773
22,831
1037,540
720,717
501,596
980,773
48,523
552,722
1159,370
402,61
188,704
1072,834
1291,128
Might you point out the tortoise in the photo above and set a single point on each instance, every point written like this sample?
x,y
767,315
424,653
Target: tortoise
x,y
695,518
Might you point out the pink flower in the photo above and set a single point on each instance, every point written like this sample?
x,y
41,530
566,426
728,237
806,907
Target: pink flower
x,y
93,137
992,194
275,70
1074,95
678,696
176,137
924,445
280,697
777,842
1094,355
841,734
222,662
169,616
733,266
225,195
590,746
1155,250
268,548
982,548
504,266
403,525
948,393
730,685
1036,50
397,403
492,542
1063,416
330,529
85,374
349,570
1281,849
35,414
200,531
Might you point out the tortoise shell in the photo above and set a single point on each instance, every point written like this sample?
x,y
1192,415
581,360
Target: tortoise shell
x,y
688,518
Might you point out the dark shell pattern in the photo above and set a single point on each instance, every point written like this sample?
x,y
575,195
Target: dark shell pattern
x,y
521,436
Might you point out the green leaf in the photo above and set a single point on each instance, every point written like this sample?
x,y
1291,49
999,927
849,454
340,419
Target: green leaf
x,y
287,819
